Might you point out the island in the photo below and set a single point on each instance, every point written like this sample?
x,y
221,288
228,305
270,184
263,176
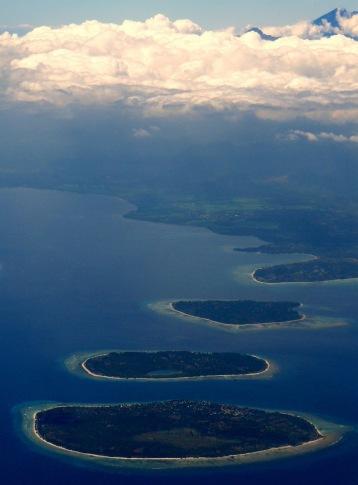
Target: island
x,y
240,312
173,365
317,270
171,430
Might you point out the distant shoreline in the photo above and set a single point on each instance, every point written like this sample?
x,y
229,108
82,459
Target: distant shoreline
x,y
327,439
336,280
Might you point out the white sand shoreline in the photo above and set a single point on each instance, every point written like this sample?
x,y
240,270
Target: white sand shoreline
x,y
337,280
304,322
232,325
326,440
269,370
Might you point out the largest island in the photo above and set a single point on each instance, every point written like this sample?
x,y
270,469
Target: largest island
x,y
173,431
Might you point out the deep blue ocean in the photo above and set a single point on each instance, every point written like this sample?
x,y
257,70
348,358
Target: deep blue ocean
x,y
77,276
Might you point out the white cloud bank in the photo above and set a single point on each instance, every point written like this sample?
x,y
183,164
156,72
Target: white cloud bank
x,y
160,64
343,25
323,136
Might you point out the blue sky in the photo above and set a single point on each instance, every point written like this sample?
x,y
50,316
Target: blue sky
x,y
214,14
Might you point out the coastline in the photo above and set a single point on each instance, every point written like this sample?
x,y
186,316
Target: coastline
x,y
171,306
167,307
305,322
330,434
322,282
273,451
77,364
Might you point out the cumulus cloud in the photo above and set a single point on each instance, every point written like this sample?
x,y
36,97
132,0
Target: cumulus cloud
x,y
295,135
349,26
343,24
304,30
163,65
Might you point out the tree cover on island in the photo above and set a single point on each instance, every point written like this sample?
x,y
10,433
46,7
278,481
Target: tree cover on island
x,y
173,364
174,429
294,212
309,271
309,205
240,312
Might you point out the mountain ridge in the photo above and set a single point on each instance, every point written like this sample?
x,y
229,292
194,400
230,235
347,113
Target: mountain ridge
x,y
329,21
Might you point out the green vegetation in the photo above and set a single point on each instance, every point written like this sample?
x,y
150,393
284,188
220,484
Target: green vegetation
x,y
175,429
172,364
310,271
288,225
331,233
292,217
298,222
240,312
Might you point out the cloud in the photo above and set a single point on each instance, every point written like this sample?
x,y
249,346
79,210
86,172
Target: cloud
x,y
165,65
295,135
141,133
145,132
344,24
19,29
350,25
304,30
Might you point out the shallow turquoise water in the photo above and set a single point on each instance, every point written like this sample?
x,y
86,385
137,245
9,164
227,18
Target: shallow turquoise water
x,y
76,276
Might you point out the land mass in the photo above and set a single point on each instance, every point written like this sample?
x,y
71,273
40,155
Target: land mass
x,y
309,205
172,430
172,364
309,271
330,234
292,217
240,312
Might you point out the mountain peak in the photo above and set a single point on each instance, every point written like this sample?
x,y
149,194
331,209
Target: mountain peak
x,y
261,33
329,24
333,17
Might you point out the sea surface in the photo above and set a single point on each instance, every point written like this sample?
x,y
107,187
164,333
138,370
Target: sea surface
x,y
77,276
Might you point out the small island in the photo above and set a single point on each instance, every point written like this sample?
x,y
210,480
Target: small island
x,y
317,270
173,365
240,312
173,431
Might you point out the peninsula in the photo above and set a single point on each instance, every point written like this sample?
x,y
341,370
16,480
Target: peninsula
x,y
315,270
173,430
172,365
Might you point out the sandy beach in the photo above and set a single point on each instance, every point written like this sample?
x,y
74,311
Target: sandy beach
x,y
330,435
303,317
324,282
268,372
305,322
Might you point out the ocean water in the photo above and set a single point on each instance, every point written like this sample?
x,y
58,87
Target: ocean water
x,y
76,276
